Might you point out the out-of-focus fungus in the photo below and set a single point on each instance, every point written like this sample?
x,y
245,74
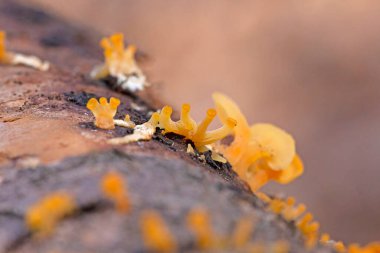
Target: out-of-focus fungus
x,y
119,62
104,111
43,216
114,187
199,222
11,58
157,236
258,153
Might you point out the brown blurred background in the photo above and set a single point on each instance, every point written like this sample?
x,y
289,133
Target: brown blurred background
x,y
311,67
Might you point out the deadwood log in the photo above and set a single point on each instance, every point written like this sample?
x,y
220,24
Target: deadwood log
x,y
48,143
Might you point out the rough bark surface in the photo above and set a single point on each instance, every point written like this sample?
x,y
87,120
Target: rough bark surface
x,y
48,142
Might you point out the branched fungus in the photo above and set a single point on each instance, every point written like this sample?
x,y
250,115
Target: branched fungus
x,y
258,153
157,236
11,58
120,63
43,216
114,187
104,111
188,128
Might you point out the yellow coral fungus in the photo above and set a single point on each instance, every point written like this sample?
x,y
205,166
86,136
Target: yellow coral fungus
x,y
199,223
43,216
156,235
258,153
104,111
120,63
188,128
11,58
114,187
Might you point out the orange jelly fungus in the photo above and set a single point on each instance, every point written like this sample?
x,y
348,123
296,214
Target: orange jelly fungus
x,y
242,232
43,216
198,221
118,59
260,152
157,237
115,188
104,111
4,55
197,133
309,229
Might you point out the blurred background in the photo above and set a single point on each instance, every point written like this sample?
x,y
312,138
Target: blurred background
x,y
310,67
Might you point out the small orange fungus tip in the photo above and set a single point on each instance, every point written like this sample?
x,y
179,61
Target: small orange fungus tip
x,y
43,216
242,232
339,247
114,187
143,132
156,235
119,62
188,128
104,111
280,246
11,58
264,197
309,229
258,153
199,223
325,238
373,247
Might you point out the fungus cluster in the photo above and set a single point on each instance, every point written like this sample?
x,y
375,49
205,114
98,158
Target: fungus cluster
x,y
43,216
260,152
114,187
188,128
11,58
119,62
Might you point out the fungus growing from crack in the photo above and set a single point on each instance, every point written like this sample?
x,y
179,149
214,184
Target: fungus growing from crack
x,y
43,216
12,58
157,236
114,187
258,153
119,62
143,132
188,128
104,111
